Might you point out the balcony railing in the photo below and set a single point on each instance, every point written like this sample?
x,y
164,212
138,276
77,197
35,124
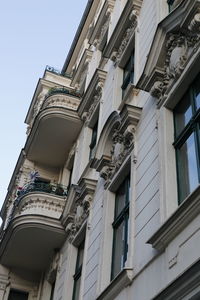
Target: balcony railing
x,y
62,90
56,189
57,72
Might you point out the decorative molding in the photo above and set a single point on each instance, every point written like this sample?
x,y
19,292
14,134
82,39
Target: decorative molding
x,y
53,268
80,72
78,207
4,282
122,280
122,143
178,221
174,46
100,29
40,204
121,42
127,36
179,47
60,100
92,96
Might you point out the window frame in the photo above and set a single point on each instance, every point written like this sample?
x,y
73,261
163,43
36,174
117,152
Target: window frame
x,y
129,68
93,140
192,127
78,270
119,219
170,4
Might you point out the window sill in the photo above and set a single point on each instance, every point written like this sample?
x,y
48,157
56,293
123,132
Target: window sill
x,y
123,279
184,214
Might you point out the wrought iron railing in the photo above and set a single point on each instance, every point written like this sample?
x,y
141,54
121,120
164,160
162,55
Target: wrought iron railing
x,y
62,90
56,189
58,72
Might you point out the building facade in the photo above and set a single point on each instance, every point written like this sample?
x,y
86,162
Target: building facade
x,y
104,201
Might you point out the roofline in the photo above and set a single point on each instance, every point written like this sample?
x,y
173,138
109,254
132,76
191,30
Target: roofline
x,y
77,35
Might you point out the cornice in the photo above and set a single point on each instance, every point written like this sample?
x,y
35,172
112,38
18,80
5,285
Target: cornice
x,y
78,205
121,139
92,94
101,26
81,69
175,45
177,222
122,280
121,42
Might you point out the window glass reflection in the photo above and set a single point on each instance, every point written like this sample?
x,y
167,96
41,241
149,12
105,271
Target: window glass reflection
x,y
187,168
183,114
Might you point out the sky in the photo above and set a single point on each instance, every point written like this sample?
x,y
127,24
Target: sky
x,y
33,34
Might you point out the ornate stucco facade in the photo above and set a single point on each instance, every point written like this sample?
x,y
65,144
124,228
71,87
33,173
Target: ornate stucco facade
x,y
104,201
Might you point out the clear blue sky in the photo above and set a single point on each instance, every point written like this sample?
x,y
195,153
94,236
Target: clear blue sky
x,y
33,34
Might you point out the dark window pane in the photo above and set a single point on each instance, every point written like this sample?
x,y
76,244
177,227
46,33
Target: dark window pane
x,y
76,291
93,140
183,113
78,271
17,295
128,73
52,290
122,196
187,168
197,93
118,249
80,257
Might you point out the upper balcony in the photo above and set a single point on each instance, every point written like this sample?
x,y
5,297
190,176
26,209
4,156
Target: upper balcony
x,y
55,128
33,228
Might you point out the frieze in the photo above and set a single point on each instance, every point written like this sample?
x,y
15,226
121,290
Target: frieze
x,y
117,54
179,48
173,54
92,96
96,100
79,208
121,139
122,144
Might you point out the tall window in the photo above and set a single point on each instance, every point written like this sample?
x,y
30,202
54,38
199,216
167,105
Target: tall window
x,y
128,73
17,295
93,140
78,271
120,228
187,140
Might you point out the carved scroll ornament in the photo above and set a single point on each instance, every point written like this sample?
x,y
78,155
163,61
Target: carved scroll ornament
x,y
122,144
179,48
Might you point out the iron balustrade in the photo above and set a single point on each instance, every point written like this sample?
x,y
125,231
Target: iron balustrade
x,y
57,72
56,189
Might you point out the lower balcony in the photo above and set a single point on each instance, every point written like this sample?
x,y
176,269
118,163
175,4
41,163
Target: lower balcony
x,y
34,231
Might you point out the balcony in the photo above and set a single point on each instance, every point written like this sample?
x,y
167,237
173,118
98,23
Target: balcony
x,y
34,229
55,128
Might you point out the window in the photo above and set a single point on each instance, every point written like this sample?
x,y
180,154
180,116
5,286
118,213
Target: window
x,y
93,140
120,228
170,4
187,140
52,290
78,271
128,73
17,295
